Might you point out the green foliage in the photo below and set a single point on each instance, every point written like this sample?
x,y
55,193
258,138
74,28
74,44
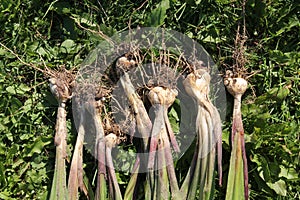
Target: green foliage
x,y
56,33
157,16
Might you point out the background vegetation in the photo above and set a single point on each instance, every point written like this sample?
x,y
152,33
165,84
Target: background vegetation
x,y
35,34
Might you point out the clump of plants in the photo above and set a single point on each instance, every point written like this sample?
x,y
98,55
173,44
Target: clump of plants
x,y
236,83
61,87
145,123
208,126
36,34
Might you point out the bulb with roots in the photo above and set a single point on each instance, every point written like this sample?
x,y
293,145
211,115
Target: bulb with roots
x,y
236,86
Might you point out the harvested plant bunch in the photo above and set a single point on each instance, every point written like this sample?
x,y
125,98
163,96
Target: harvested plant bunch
x,y
61,88
140,120
83,106
160,163
143,122
209,132
237,187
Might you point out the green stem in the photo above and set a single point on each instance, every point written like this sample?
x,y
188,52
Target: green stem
x,y
208,185
101,190
201,159
59,185
235,184
132,185
239,129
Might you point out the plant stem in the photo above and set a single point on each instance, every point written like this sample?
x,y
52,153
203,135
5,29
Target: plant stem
x,y
161,174
142,119
160,156
131,188
238,173
75,174
101,190
60,89
59,185
143,124
235,184
237,128
116,194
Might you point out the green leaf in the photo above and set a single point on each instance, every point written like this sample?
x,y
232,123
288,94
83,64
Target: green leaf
x,y
62,7
212,39
37,146
283,93
5,196
22,89
279,187
67,46
173,114
174,125
41,51
2,175
224,1
226,136
16,104
38,165
11,89
158,15
289,173
2,52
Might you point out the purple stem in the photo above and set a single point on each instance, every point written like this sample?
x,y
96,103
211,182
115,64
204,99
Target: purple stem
x,y
237,127
114,186
171,133
219,149
170,168
136,164
101,157
246,188
155,132
152,151
101,165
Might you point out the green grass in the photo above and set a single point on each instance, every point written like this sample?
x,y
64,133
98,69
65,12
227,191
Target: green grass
x,y
45,33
